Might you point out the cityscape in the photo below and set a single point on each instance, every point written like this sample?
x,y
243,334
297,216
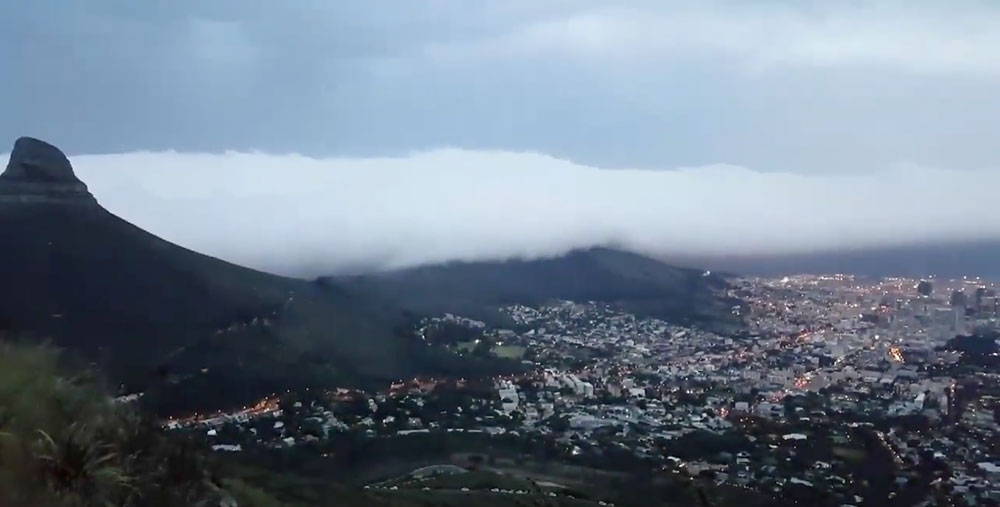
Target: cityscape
x,y
840,389
510,253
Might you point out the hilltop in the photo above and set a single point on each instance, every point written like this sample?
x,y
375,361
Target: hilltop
x,y
195,331
154,315
635,283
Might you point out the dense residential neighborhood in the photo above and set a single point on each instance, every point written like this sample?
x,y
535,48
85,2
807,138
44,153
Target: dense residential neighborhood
x,y
840,390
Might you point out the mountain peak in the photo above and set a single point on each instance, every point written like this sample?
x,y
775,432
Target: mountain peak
x,y
38,171
39,161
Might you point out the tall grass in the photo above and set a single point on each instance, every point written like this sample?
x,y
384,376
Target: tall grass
x,y
63,442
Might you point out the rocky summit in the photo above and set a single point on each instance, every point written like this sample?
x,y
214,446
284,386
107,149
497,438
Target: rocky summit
x,y
40,172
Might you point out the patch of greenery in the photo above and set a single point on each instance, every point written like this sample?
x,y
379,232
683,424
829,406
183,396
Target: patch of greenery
x,y
479,481
63,442
509,351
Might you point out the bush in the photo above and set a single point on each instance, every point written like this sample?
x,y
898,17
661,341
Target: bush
x,y
64,442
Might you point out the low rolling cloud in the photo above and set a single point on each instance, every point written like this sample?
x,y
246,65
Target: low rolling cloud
x,y
303,216
451,129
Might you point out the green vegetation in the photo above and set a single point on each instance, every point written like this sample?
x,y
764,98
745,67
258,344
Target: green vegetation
x,y
509,351
473,481
486,348
64,443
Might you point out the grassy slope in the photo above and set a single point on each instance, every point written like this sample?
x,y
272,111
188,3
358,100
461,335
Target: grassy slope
x,y
64,443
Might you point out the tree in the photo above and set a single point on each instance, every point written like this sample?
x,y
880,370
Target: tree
x,y
925,288
483,348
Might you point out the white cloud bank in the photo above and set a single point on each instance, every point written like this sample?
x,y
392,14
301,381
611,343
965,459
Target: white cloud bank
x,y
303,216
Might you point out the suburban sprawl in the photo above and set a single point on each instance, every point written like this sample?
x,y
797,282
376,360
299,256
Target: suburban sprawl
x,y
839,390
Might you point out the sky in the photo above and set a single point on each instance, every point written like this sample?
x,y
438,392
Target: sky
x,y
365,126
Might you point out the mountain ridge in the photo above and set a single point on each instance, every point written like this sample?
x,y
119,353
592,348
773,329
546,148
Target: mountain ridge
x,y
636,283
153,315
194,331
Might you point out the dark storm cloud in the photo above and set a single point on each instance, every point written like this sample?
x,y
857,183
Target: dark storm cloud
x,y
455,129
793,87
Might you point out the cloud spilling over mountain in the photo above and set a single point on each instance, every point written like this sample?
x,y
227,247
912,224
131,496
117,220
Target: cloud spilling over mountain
x,y
303,216
190,330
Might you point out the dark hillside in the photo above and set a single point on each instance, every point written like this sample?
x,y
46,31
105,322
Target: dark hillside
x,y
636,283
153,315
197,332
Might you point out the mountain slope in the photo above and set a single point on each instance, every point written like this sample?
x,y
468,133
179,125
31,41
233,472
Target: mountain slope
x,y
154,315
636,283
193,331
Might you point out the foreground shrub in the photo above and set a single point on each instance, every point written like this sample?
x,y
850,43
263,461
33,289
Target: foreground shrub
x,y
64,442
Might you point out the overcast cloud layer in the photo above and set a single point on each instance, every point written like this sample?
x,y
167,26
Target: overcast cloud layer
x,y
812,86
302,216
456,129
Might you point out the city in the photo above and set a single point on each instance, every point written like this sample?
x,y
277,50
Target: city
x,y
499,253
840,390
